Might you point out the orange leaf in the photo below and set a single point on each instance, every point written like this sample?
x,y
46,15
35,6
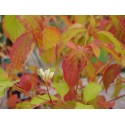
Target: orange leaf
x,y
12,101
34,25
110,74
101,101
20,49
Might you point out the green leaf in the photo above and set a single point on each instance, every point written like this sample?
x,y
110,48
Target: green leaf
x,y
82,19
61,88
118,87
112,52
92,21
5,83
115,21
71,32
68,35
24,105
82,106
103,55
107,36
41,99
91,91
12,27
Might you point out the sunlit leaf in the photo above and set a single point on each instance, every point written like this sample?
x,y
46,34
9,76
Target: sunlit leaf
x,y
12,27
91,91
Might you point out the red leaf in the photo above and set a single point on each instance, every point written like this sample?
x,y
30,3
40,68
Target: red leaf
x,y
110,74
101,101
20,49
70,95
72,66
25,82
28,81
12,101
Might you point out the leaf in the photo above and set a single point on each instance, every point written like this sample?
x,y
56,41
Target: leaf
x,y
96,50
118,87
25,82
12,27
72,66
51,37
115,21
5,83
33,25
69,34
110,50
61,88
91,91
92,21
20,49
110,38
102,103
71,95
110,74
24,105
103,55
11,102
48,55
82,106
81,19
41,99
90,69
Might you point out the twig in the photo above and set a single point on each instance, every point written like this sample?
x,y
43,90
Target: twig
x,y
116,98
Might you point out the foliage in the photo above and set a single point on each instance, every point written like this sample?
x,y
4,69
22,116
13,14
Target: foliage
x,y
70,48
